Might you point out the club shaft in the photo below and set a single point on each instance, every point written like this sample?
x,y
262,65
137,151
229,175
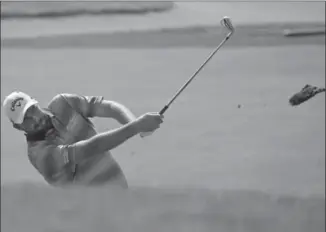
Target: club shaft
x,y
194,75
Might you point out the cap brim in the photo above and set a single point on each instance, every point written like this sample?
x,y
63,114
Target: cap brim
x,y
21,117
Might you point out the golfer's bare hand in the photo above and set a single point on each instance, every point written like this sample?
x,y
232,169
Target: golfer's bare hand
x,y
149,122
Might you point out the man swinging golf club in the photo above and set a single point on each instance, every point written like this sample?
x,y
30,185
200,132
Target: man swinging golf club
x,y
62,143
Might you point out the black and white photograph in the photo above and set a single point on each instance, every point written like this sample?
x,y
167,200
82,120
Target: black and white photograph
x,y
162,116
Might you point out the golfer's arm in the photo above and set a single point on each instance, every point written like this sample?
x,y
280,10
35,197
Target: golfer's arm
x,y
95,106
112,109
101,142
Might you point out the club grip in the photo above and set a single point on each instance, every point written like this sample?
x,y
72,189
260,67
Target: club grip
x,y
163,110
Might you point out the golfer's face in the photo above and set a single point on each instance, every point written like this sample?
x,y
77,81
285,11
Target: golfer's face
x,y
35,120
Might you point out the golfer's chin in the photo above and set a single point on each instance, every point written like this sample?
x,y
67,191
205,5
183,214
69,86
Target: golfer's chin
x,y
37,131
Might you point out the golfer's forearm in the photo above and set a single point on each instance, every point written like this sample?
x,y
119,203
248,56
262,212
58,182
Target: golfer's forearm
x,y
122,114
103,142
111,109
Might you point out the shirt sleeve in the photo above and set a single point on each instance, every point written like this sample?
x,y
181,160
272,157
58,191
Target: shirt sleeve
x,y
84,104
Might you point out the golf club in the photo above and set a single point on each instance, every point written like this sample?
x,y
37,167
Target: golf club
x,y
225,22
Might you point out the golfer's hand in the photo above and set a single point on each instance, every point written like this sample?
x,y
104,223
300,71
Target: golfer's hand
x,y
149,122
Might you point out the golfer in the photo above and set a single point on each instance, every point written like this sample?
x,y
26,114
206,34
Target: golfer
x,y
62,143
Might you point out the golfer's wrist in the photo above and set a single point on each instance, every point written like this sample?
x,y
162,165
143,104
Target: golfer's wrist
x,y
134,126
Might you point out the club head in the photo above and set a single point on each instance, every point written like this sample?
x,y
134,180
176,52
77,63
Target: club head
x,y
227,23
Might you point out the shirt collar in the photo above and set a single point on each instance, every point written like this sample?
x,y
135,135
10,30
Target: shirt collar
x,y
46,110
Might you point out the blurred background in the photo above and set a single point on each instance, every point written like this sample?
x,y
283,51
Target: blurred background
x,y
232,155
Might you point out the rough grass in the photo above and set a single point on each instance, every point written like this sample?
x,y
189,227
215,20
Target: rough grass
x,y
73,8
